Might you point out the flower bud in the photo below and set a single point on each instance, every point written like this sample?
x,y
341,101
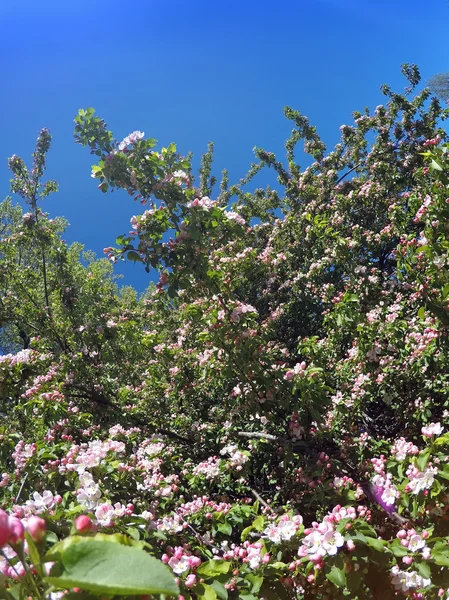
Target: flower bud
x,y
350,545
4,528
83,524
190,581
37,528
16,530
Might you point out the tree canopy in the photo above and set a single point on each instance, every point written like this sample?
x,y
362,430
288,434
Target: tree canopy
x,y
268,419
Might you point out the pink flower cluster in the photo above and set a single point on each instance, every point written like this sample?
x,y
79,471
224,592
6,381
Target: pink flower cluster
x,y
240,310
233,216
237,457
322,539
423,208
414,542
284,529
420,480
22,452
92,454
12,534
401,449
39,504
105,513
405,581
181,560
432,429
295,429
205,203
252,554
39,382
298,370
22,357
12,530
209,468
130,139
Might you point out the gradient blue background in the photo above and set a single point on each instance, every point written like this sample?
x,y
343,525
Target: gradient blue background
x,y
192,72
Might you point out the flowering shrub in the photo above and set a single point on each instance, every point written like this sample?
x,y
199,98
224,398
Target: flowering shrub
x,y
271,418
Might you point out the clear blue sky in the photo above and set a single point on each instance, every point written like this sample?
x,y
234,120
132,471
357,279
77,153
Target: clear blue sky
x,y
194,71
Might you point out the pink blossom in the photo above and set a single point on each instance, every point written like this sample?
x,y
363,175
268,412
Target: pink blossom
x,y
37,528
83,524
432,429
190,581
4,528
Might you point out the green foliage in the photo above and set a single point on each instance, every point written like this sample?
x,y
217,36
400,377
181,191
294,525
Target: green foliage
x,y
111,568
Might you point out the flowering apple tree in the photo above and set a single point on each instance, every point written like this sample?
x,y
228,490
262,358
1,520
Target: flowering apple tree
x,y
271,418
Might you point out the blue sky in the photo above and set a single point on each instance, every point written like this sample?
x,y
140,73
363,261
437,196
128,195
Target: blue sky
x,y
194,71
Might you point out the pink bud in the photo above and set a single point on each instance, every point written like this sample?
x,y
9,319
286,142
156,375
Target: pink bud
x,y
16,530
195,561
83,524
178,553
36,527
4,528
316,558
266,558
350,545
190,581
407,560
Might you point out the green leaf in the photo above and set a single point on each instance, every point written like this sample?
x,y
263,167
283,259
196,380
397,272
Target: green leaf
x,y
337,576
435,165
105,567
444,473
441,559
245,533
220,590
443,440
277,565
256,582
205,591
134,533
423,459
423,569
132,255
378,545
398,549
225,528
259,523
214,567
59,548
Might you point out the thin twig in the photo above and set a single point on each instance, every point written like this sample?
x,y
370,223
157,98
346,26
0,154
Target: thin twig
x,y
257,496
21,487
196,534
260,436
